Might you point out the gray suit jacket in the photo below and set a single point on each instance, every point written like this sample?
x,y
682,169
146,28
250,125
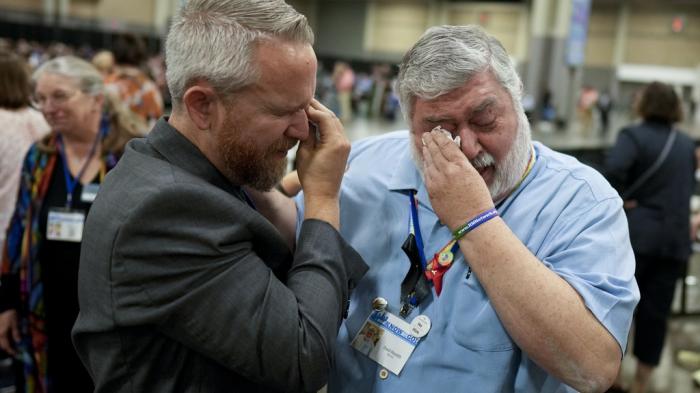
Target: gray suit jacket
x,y
184,287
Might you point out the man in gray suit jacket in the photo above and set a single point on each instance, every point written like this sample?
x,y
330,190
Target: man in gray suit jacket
x,y
184,286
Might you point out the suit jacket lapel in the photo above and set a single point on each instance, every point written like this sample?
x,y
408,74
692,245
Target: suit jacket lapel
x,y
179,151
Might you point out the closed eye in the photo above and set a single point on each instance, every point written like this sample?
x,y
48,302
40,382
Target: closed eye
x,y
485,126
287,112
443,123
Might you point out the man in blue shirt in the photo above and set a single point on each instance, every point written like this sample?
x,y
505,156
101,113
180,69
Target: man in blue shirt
x,y
516,257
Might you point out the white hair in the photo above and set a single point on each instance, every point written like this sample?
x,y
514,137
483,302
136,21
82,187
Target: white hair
x,y
214,40
447,57
86,76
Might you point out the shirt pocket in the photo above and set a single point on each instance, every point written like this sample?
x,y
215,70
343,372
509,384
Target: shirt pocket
x,y
473,323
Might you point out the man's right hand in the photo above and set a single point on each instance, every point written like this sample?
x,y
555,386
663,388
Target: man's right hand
x,y
9,331
321,164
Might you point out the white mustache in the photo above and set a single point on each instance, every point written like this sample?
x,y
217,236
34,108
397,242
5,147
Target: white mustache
x,y
482,160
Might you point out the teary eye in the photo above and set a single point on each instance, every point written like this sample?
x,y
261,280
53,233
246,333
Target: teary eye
x,y
484,122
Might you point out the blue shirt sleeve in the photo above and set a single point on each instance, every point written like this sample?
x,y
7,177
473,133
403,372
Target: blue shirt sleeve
x,y
299,201
590,250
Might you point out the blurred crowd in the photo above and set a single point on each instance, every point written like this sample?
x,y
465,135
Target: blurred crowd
x,y
350,90
367,92
128,67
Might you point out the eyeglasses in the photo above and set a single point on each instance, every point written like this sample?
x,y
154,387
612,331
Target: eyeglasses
x,y
59,97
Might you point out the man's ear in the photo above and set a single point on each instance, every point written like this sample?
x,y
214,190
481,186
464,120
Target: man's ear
x,y
200,102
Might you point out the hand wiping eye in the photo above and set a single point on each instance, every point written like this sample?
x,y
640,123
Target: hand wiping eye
x,y
457,140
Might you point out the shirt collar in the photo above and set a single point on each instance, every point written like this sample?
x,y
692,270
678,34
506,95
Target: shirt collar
x,y
406,178
406,175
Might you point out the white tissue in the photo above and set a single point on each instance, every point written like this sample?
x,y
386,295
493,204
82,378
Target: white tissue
x,y
457,140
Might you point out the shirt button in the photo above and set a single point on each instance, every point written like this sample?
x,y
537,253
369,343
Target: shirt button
x,y
383,374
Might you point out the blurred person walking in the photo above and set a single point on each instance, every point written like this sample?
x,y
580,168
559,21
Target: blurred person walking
x,y
128,81
604,105
21,126
344,80
586,103
652,165
60,178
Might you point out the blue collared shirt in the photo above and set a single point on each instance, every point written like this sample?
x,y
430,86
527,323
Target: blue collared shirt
x,y
566,214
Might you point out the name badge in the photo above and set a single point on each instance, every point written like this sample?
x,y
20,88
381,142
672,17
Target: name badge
x,y
89,192
389,340
65,225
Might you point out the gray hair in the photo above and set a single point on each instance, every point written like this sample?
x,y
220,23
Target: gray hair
x,y
214,40
447,57
87,77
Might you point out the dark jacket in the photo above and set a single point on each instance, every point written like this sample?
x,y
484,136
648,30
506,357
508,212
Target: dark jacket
x,y
659,225
184,287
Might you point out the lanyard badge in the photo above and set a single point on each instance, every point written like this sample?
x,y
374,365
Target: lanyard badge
x,y
388,339
65,224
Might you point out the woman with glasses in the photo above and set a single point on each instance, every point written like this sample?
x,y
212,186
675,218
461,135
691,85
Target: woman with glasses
x,y
60,179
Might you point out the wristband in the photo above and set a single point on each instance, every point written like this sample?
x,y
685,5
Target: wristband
x,y
473,223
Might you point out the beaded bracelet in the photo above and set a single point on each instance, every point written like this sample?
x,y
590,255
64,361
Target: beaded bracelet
x,y
474,222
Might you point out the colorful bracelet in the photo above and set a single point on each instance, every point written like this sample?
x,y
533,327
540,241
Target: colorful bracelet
x,y
474,222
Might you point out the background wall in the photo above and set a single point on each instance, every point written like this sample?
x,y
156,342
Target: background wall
x,y
340,27
650,39
602,27
22,5
117,12
534,32
393,27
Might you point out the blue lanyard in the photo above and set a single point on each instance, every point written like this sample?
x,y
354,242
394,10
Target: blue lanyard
x,y
414,228
67,177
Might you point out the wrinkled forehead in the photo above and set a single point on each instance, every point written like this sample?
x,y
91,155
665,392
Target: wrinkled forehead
x,y
287,71
478,95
